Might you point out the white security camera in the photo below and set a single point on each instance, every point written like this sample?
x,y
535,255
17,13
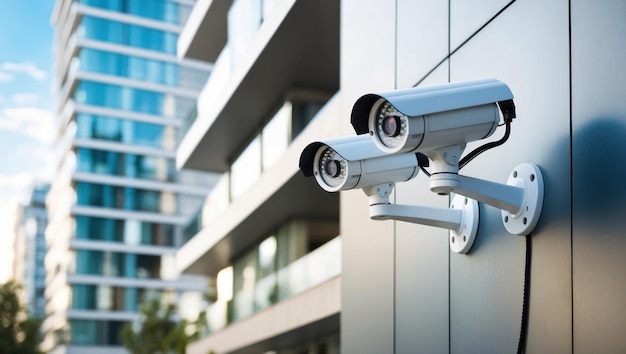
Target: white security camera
x,y
439,121
355,162
427,118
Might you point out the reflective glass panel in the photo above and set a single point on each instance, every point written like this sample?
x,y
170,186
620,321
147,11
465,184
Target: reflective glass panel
x,y
127,34
132,99
128,165
127,231
161,10
107,196
91,332
246,169
128,66
115,264
92,126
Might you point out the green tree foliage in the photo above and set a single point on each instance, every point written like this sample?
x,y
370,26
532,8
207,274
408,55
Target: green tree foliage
x,y
158,333
18,333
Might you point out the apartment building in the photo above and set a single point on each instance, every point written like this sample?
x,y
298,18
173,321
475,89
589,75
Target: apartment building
x,y
267,239
30,250
117,205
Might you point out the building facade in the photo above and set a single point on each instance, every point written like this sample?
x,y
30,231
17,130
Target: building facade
x,y
117,205
267,239
31,251
402,289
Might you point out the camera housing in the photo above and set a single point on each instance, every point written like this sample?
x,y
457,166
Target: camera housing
x,y
354,162
428,118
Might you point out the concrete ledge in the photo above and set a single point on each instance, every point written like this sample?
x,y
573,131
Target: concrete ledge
x,y
310,314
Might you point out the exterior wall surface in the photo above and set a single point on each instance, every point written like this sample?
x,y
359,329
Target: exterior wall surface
x,y
403,290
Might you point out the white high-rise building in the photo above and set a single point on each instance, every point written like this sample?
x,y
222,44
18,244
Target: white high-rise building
x,y
117,205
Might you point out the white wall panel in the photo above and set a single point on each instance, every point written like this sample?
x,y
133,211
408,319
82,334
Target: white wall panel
x,y
526,47
599,175
422,267
469,15
367,322
422,36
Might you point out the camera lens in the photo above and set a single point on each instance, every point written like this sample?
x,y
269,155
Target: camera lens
x,y
391,126
332,168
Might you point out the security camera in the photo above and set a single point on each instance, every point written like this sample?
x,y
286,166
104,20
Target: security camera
x,y
439,121
355,162
427,118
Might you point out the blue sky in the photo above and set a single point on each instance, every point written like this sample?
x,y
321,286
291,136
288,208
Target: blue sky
x,y
26,123
27,126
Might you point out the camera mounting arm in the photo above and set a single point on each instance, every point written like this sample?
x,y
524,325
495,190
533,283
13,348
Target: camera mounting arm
x,y
520,199
461,218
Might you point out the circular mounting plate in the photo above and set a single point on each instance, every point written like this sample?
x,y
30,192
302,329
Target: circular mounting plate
x,y
529,177
461,240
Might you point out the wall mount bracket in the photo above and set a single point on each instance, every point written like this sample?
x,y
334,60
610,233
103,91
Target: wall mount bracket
x,y
520,199
461,218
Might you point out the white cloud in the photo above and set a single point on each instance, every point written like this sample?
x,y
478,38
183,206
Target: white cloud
x,y
33,122
24,68
24,98
6,77
15,188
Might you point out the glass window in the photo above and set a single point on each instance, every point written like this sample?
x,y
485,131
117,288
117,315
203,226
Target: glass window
x,y
90,332
148,266
244,273
132,99
302,114
246,169
143,69
110,298
192,78
100,195
244,19
127,34
161,10
113,129
266,288
89,262
157,234
83,297
127,231
101,229
116,264
193,227
107,196
119,97
275,136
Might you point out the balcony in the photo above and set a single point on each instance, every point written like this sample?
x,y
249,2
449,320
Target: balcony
x,y
229,225
306,298
296,47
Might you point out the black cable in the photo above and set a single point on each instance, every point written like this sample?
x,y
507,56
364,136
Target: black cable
x,y
425,171
479,150
521,344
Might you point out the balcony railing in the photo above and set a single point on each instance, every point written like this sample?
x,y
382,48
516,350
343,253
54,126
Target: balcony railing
x,y
305,273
